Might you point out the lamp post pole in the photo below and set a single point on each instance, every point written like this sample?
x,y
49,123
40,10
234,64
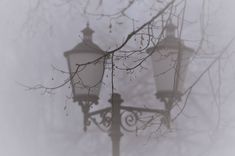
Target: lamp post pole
x,y
115,132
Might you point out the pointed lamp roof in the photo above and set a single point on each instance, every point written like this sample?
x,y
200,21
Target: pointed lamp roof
x,y
87,31
87,45
170,29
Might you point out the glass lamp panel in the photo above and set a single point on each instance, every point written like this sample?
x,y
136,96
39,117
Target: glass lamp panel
x,y
164,66
164,63
87,80
184,63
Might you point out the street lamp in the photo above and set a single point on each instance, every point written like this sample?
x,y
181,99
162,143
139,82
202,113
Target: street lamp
x,y
86,66
86,77
170,59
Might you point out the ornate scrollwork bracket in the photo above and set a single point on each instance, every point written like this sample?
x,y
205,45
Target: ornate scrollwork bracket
x,y
117,117
136,118
168,98
85,105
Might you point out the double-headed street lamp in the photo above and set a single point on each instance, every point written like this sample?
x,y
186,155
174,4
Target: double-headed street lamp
x,y
170,58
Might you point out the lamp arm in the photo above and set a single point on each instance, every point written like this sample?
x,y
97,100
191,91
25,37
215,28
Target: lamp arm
x,y
132,118
90,114
146,110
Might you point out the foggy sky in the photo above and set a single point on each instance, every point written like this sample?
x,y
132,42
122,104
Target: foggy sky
x,y
35,124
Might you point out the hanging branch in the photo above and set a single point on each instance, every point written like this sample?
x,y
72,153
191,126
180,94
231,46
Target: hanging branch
x,y
108,53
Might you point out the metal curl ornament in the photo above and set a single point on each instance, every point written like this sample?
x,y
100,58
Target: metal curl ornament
x,y
129,120
104,121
